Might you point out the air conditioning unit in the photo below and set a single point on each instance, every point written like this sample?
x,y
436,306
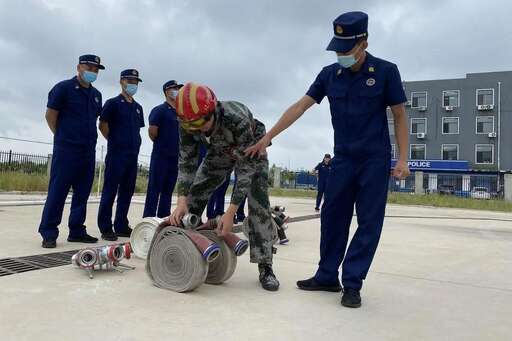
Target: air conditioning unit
x,y
448,108
485,107
492,135
422,108
420,135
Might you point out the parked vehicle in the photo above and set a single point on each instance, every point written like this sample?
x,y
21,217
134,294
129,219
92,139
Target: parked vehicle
x,y
446,190
480,193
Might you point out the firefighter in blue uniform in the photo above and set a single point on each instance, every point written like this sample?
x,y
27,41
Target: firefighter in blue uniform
x,y
72,112
163,170
120,123
217,200
322,171
359,87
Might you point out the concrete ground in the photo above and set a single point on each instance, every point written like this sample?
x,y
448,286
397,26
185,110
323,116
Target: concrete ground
x,y
441,274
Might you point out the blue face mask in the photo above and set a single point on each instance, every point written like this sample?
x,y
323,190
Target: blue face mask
x,y
89,76
131,89
347,61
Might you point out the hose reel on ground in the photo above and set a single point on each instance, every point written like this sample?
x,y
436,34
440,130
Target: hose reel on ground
x,y
182,259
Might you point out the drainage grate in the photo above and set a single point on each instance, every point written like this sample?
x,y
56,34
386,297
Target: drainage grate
x,y
11,266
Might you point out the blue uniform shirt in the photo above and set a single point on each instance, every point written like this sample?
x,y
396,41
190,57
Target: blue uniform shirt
x,y
124,121
358,102
78,109
167,142
323,170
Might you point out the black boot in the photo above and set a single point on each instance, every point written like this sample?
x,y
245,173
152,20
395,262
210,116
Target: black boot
x,y
125,233
49,244
110,236
351,298
83,239
267,278
311,284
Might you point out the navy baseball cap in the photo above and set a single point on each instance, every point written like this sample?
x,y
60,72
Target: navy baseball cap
x,y
92,60
348,29
130,74
171,84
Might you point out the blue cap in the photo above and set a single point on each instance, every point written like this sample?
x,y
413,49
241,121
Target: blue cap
x,y
348,29
91,59
130,74
171,84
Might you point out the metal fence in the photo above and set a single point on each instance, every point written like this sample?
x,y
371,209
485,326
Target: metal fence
x,y
476,186
39,164
24,163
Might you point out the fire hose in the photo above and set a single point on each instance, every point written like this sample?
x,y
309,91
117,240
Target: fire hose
x,y
182,259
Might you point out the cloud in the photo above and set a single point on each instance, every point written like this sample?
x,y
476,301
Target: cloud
x,y
262,53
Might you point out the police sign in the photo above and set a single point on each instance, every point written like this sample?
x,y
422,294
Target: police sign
x,y
437,165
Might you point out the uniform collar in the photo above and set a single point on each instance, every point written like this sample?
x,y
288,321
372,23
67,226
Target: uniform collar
x,y
121,98
77,84
368,67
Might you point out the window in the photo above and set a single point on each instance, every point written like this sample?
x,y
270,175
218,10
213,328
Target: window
x,y
393,151
484,124
418,152
391,126
451,98
484,153
450,125
485,97
418,125
419,99
450,151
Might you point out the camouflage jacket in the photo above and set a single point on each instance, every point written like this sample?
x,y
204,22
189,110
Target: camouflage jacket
x,y
235,130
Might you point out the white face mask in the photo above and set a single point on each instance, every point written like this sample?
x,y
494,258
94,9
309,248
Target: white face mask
x,y
173,94
348,60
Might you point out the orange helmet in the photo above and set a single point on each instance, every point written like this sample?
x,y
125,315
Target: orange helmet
x,y
195,102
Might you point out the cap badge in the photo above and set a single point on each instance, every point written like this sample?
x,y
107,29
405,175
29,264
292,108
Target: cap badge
x,y
97,59
370,82
339,29
134,72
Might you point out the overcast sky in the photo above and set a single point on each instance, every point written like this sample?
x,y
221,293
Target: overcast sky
x,y
262,53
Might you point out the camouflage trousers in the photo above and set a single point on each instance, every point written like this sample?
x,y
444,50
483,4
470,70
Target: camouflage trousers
x,y
211,174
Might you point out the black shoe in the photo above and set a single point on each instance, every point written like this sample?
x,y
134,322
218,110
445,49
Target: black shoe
x,y
83,239
351,298
49,244
317,209
267,278
110,236
312,285
126,233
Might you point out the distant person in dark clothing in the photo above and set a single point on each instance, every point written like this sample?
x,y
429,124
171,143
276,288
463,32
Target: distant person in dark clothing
x,y
322,171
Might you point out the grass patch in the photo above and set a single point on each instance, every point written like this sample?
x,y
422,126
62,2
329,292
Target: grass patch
x,y
449,201
292,193
23,182
16,181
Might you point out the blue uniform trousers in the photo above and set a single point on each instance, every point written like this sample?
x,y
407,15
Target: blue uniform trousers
x,y
363,183
163,173
72,168
120,178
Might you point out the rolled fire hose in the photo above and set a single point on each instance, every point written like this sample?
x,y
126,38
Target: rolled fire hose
x,y
178,259
142,235
222,268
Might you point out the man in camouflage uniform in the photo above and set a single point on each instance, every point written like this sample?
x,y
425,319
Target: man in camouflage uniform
x,y
227,129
